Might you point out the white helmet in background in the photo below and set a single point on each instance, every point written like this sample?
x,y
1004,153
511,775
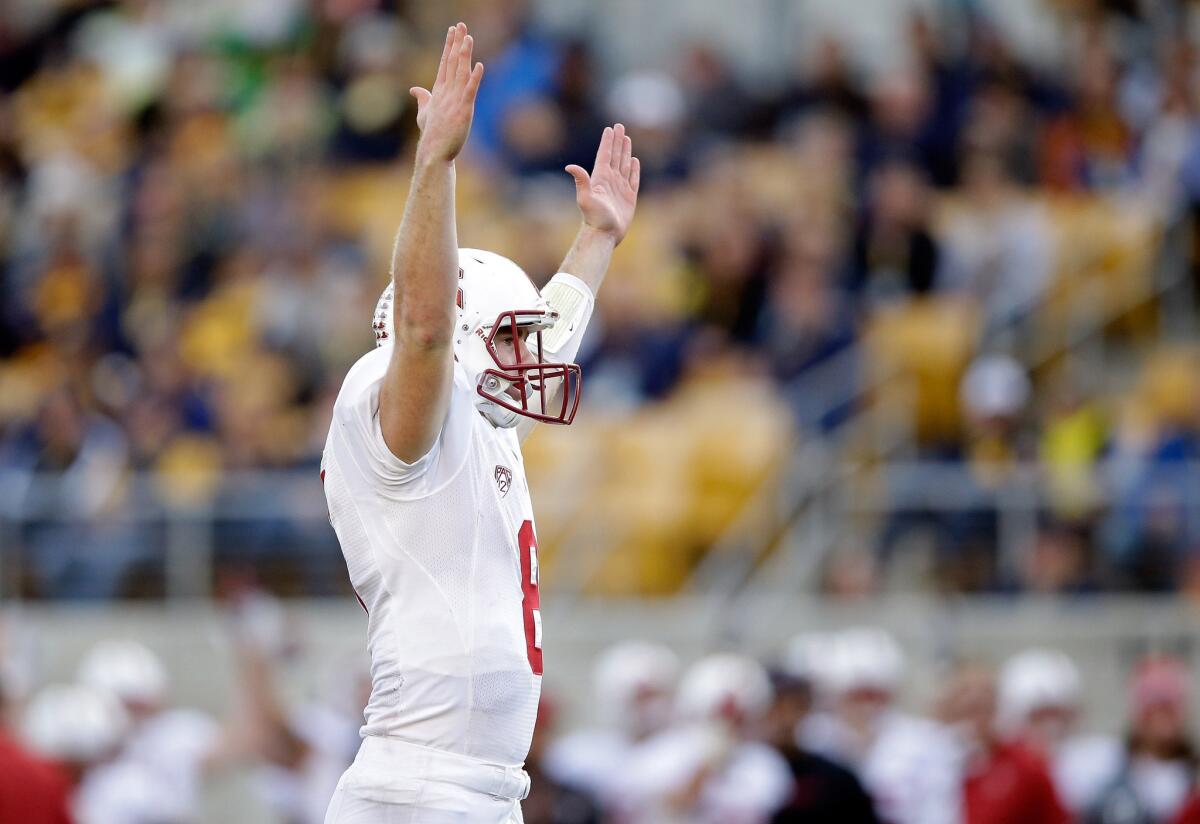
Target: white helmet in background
x,y
807,656
864,658
74,723
495,294
128,670
1033,680
635,682
724,687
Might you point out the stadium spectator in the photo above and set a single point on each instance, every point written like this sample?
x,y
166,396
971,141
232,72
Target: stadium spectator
x,y
998,246
87,553
822,80
544,132
522,62
653,105
190,220
895,253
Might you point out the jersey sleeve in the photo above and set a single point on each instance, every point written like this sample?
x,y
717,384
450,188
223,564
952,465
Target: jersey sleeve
x,y
356,436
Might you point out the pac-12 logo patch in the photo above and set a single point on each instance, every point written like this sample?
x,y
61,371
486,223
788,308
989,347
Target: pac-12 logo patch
x,y
503,479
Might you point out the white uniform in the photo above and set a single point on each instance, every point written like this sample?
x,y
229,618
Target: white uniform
x,y
594,761
1084,767
300,795
125,791
158,775
443,555
911,767
699,774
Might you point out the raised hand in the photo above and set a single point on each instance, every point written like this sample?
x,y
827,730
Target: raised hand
x,y
444,113
608,196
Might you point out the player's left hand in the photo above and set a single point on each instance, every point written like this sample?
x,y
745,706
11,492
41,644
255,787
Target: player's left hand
x,y
608,196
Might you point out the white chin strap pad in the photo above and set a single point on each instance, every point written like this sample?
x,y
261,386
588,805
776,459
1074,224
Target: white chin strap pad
x,y
497,415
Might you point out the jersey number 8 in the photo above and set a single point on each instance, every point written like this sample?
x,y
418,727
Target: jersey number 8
x,y
531,601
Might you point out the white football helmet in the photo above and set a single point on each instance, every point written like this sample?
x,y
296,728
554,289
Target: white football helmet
x,y
865,658
724,687
74,723
807,657
126,669
634,685
495,294
1036,679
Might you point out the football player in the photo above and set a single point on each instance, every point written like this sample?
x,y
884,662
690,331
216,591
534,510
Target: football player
x,y
710,768
426,487
1039,705
634,685
909,764
174,749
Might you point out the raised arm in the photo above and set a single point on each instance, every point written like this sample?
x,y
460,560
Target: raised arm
x,y
607,199
416,390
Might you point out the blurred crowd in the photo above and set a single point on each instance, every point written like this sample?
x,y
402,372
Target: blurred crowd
x,y
197,204
827,730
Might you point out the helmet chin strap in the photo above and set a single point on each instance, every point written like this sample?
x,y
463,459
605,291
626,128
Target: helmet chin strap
x,y
496,414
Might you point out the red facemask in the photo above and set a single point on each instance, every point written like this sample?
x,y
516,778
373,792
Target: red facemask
x,y
537,389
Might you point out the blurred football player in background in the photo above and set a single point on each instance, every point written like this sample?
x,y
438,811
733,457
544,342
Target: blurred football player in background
x,y
821,790
32,789
552,800
909,764
83,729
163,754
304,749
175,746
634,685
710,766
1038,704
1003,780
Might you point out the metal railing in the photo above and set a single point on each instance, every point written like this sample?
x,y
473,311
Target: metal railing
x,y
274,525
146,540
803,533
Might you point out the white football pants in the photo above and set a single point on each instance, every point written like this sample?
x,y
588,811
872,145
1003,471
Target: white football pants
x,y
395,782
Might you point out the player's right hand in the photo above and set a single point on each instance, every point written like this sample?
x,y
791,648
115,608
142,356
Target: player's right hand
x,y
444,113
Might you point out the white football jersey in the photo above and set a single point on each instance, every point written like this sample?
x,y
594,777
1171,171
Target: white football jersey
x,y
699,774
1084,767
300,795
911,766
443,556
594,761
